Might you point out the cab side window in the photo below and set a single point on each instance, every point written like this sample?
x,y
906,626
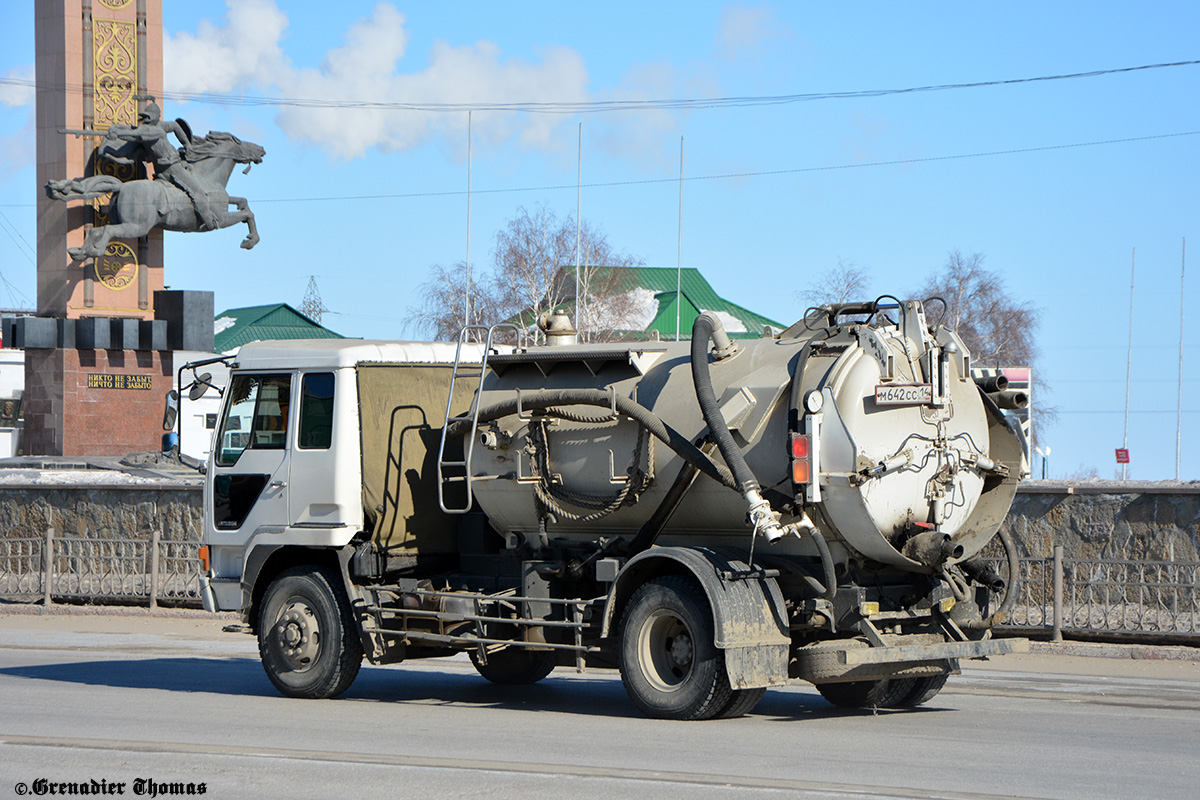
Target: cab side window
x,y
256,417
316,411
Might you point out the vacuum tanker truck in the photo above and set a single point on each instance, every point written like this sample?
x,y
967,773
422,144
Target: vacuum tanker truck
x,y
711,517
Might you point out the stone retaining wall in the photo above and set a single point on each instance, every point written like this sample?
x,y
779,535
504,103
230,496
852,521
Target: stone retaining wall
x,y
1108,520
102,511
1112,521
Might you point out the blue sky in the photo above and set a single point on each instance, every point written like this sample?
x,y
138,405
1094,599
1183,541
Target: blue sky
x,y
1058,224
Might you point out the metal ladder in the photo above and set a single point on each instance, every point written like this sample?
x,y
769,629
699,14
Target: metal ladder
x,y
462,469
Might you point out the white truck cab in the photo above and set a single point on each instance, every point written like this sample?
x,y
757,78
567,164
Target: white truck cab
x,y
286,466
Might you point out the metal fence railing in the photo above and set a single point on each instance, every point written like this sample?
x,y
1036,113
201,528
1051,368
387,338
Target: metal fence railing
x,y
1144,599
1148,600
52,567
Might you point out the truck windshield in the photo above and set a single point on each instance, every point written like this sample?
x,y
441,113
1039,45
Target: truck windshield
x,y
256,417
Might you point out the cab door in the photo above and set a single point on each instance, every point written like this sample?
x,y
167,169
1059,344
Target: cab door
x,y
249,479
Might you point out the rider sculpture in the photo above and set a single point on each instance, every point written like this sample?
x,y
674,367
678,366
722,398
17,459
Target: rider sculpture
x,y
186,194
151,144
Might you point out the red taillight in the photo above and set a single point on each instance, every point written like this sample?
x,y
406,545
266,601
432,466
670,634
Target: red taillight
x,y
204,562
800,445
801,450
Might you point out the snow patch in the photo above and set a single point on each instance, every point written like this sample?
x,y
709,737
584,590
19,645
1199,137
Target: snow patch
x,y
224,324
732,324
72,477
629,311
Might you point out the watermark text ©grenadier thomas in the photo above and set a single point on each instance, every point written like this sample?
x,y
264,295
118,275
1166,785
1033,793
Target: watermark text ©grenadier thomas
x,y
141,787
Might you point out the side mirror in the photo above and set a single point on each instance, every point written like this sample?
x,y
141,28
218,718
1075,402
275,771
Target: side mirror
x,y
171,410
200,386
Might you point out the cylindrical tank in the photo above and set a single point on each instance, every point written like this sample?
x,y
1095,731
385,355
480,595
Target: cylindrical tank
x,y
905,442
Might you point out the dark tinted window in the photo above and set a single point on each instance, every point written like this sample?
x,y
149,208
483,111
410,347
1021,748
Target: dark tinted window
x,y
316,410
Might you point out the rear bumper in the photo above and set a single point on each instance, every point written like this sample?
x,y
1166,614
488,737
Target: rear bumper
x,y
933,652
843,660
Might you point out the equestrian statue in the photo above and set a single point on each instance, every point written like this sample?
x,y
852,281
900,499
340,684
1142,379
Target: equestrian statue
x,y
187,192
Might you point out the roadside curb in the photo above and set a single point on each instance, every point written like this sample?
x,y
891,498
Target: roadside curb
x,y
1147,652
65,610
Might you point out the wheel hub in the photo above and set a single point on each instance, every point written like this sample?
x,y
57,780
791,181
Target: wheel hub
x,y
298,635
667,651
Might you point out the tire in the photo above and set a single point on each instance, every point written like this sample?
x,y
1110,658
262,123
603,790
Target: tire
x,y
741,703
515,666
670,665
867,694
307,636
922,691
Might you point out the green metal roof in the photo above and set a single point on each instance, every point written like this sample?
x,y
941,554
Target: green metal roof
x,y
237,326
697,296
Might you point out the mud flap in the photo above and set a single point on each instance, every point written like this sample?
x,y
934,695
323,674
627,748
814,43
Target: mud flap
x,y
749,617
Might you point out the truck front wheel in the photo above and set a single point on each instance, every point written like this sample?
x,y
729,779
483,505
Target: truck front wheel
x,y
670,665
306,635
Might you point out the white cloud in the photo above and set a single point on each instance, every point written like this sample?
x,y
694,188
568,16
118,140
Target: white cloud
x,y
743,30
18,151
245,51
16,95
220,58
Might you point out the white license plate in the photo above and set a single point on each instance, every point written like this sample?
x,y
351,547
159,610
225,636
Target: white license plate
x,y
903,394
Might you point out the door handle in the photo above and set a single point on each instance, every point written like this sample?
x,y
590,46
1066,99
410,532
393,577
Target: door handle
x,y
278,484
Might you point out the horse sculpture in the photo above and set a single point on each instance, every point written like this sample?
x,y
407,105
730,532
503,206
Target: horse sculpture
x,y
142,205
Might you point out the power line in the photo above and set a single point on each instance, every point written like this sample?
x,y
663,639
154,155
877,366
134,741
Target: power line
x,y
14,233
597,106
714,177
735,175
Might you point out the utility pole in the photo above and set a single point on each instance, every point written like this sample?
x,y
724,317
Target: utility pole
x,y
1129,362
1179,399
679,248
469,289
581,288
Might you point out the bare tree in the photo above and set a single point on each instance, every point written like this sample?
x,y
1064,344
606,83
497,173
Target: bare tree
x,y
845,283
452,299
528,257
533,271
997,329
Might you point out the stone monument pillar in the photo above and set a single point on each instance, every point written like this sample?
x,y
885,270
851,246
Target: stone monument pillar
x,y
97,363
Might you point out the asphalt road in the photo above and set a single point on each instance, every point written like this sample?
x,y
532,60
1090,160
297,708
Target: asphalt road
x,y
147,702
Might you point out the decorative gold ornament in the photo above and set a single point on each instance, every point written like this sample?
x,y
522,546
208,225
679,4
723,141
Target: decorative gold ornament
x,y
118,267
114,59
115,5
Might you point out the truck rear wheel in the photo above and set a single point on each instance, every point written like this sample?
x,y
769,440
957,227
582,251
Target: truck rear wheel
x,y
741,703
670,665
306,635
867,694
921,691
515,666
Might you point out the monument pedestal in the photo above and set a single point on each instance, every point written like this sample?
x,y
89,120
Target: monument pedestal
x,y
95,402
96,386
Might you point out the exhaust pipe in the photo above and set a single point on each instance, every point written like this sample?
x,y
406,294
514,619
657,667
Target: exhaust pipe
x,y
1010,398
983,574
992,383
932,548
